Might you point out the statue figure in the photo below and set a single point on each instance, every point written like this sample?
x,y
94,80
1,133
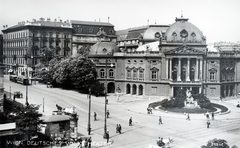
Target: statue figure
x,y
189,96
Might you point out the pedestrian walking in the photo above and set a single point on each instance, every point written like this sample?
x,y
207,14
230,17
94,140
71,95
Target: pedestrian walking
x,y
117,129
89,142
207,115
150,109
130,121
80,142
188,117
108,113
86,143
208,124
212,115
107,136
120,129
160,120
95,116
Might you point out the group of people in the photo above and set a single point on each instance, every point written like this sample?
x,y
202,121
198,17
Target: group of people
x,y
208,117
149,110
86,143
119,129
160,142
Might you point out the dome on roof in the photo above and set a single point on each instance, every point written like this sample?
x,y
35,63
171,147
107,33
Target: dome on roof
x,y
101,48
153,32
153,46
182,30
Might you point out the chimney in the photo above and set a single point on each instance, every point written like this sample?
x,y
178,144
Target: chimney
x,y
108,19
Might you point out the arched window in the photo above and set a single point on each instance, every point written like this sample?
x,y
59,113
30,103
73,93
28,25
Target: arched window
x,y
111,73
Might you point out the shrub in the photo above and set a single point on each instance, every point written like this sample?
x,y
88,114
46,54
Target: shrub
x,y
165,103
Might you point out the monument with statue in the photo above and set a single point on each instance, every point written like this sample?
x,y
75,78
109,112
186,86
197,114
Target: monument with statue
x,y
190,102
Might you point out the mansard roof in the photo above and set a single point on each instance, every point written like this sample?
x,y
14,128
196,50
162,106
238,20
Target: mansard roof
x,y
91,23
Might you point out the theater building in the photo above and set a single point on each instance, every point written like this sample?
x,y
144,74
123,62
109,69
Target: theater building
x,y
178,59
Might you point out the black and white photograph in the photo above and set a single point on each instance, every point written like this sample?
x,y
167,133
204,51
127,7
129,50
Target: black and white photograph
x,y
119,74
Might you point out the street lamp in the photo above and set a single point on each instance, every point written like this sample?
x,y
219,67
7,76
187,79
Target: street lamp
x,y
89,112
26,57
105,111
118,91
27,87
106,101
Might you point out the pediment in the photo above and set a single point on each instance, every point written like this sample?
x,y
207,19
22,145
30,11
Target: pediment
x,y
184,50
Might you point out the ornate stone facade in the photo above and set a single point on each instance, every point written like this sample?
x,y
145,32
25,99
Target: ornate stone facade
x,y
180,59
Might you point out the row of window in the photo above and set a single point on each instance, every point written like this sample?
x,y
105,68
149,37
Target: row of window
x,y
134,61
139,74
15,35
225,76
15,61
15,44
18,61
14,52
103,73
132,42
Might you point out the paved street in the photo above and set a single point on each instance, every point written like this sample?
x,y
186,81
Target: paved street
x,y
145,129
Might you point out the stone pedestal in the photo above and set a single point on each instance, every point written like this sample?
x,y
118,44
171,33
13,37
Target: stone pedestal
x,y
192,104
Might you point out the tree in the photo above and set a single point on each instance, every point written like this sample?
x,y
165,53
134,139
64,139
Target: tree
x,y
203,101
178,101
26,117
216,143
46,54
73,72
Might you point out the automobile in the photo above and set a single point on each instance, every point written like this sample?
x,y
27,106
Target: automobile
x,y
18,94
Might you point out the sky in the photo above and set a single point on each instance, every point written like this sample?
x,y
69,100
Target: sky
x,y
219,20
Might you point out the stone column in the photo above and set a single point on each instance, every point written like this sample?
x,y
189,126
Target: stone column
x,y
224,91
137,87
179,70
200,72
188,71
170,69
167,68
200,90
196,70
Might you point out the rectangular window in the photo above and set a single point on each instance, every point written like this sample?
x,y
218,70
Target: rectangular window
x,y
141,75
102,73
223,76
212,75
128,74
212,91
154,75
154,90
134,75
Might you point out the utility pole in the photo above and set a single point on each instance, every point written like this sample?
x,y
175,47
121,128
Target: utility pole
x,y
89,112
10,93
43,104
